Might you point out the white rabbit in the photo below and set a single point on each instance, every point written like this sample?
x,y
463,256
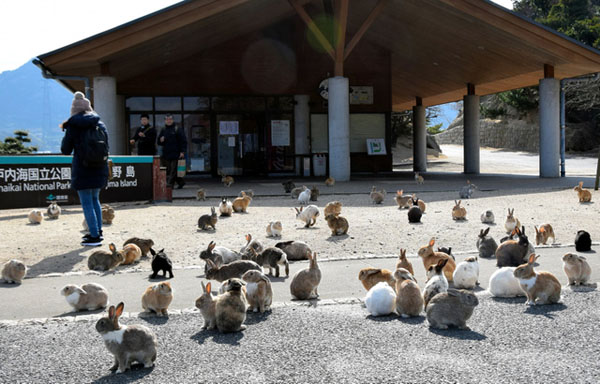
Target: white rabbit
x,y
437,281
381,300
466,274
308,215
304,197
503,283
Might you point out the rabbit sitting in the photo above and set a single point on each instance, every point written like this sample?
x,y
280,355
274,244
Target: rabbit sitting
x,y
486,245
467,191
453,307
207,306
381,300
104,260
231,306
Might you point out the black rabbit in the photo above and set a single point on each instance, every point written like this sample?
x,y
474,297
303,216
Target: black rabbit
x,y
161,262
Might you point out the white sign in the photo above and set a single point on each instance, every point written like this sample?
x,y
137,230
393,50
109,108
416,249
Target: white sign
x,y
376,147
280,133
361,95
229,127
231,141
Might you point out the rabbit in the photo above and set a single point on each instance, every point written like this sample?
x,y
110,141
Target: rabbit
x,y
258,291
35,216
288,186
274,229
511,222
330,181
403,201
419,179
377,197
255,244
577,269
228,271
337,224
314,193
271,257
227,180
296,191
157,298
248,192
219,255
420,203
308,215
436,281
409,300
88,297
513,253
201,194
583,241
305,283
53,211
14,271
466,274
414,213
381,300
370,276
540,287
486,245
207,306
132,254
431,258
458,212
206,221
104,260
451,308
144,244
240,204
108,214
333,208
404,263
304,197
503,283
295,250
225,207
487,217
231,307
467,191
161,262
128,343
447,251
585,196
543,234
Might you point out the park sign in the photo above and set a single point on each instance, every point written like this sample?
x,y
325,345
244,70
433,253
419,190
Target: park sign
x,y
36,181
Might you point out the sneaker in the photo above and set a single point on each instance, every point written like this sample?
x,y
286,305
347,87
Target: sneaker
x,y
87,236
91,242
181,185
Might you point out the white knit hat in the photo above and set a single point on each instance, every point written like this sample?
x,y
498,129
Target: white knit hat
x,y
80,104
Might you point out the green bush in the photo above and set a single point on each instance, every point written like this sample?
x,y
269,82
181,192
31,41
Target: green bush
x,y
523,99
491,113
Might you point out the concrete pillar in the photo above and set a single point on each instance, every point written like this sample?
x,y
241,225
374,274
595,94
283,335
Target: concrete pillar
x,y
549,127
471,134
339,128
301,130
106,104
419,138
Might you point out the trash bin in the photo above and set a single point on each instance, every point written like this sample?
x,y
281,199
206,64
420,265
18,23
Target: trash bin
x,y
320,164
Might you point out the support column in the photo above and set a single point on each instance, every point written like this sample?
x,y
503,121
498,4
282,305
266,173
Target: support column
x,y
549,127
106,105
471,131
419,137
302,131
339,128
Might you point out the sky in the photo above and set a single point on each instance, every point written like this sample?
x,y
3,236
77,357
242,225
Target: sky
x,y
30,28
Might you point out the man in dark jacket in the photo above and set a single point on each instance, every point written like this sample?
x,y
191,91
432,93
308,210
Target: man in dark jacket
x,y
145,136
87,181
172,139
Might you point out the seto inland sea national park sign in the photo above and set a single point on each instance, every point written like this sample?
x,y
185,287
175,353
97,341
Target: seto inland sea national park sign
x,y
36,181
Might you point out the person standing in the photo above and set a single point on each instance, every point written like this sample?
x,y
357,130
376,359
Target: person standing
x,y
172,139
145,136
87,179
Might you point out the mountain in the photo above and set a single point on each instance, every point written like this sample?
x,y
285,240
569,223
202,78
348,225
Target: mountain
x,y
31,103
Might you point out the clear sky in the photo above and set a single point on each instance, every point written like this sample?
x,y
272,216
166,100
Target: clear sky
x,y
29,28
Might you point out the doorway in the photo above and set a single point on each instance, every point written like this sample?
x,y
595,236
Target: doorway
x,y
240,146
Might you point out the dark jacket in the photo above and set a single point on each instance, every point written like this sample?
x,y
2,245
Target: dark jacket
x,y
146,144
82,177
174,143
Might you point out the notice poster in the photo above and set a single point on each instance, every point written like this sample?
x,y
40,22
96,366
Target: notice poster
x,y
229,127
280,133
376,146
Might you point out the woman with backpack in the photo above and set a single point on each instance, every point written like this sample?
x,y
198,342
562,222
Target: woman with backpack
x,y
86,137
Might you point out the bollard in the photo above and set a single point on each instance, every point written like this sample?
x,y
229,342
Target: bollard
x,y
159,182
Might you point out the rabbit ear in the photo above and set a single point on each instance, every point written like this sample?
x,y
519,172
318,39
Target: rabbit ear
x,y
531,259
432,242
211,245
203,287
402,253
459,201
112,247
111,312
248,237
119,310
487,230
542,229
208,286
453,292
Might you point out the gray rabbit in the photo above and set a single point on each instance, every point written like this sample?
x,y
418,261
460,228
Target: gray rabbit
x,y
467,191
486,244
453,307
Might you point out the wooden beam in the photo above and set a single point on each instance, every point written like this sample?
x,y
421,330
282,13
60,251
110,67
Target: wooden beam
x,y
341,23
365,26
548,71
418,101
470,89
313,28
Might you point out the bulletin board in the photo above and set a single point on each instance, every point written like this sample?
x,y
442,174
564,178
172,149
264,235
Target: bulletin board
x,y
363,126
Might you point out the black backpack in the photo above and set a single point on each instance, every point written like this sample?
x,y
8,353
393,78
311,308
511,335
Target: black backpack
x,y
94,147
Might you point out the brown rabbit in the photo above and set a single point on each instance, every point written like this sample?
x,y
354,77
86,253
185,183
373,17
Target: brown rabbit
x,y
144,244
231,306
369,277
201,194
540,287
333,208
258,291
585,196
409,300
157,298
234,269
511,222
132,253
577,269
337,224
305,282
543,234
404,263
403,201
108,214
420,203
377,197
240,204
430,258
330,181
104,260
458,212
206,304
227,180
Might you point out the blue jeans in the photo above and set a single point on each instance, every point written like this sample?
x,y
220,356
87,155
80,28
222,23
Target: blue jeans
x,y
90,202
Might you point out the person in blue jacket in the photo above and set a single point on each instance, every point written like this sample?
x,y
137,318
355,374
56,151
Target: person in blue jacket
x,y
87,181
174,145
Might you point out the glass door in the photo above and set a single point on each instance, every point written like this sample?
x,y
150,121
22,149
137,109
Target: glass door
x,y
228,147
198,128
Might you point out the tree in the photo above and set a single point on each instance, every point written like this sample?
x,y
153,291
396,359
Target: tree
x,y
14,145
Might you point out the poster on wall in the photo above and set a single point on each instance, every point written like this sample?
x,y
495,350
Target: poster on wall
x,y
361,94
376,147
229,127
280,133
